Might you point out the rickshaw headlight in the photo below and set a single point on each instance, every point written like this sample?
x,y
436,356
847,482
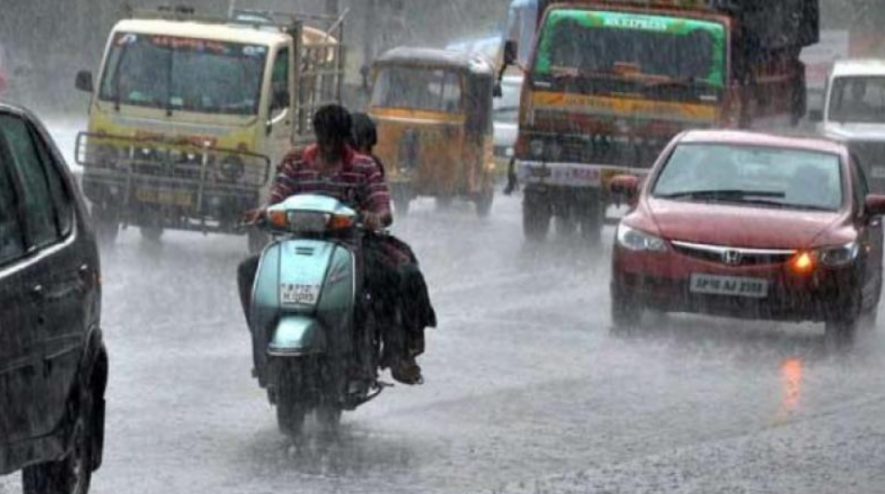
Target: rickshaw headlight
x,y
536,147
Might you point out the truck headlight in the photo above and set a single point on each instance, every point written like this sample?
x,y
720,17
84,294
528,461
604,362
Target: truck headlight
x,y
536,147
639,241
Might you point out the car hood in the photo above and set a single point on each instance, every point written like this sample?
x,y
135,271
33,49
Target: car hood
x,y
855,131
738,226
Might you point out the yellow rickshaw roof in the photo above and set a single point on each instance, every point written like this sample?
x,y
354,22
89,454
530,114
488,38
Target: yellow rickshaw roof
x,y
436,58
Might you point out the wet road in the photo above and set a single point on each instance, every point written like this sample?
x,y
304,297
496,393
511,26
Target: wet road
x,y
527,392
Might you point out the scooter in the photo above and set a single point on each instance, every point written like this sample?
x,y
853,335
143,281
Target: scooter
x,y
315,344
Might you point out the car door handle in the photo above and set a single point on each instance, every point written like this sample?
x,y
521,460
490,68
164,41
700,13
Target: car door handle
x,y
38,293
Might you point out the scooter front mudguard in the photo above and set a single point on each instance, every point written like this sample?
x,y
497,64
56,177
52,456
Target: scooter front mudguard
x,y
297,336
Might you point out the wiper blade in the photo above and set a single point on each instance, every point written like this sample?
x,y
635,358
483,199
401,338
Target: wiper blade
x,y
729,194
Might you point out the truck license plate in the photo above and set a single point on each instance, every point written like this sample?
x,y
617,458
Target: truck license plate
x,y
292,294
729,285
169,197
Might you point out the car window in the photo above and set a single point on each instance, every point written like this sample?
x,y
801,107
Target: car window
x,y
61,196
861,184
11,241
41,224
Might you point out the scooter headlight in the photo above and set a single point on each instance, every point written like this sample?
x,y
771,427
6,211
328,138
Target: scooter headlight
x,y
639,241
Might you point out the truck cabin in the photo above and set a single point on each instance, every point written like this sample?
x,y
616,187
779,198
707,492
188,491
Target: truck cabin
x,y
857,93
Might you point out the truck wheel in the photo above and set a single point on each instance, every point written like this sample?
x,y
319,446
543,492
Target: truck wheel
x,y
592,222
106,224
152,233
73,473
291,401
536,216
484,203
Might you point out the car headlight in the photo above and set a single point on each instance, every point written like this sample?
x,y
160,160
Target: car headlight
x,y
839,256
639,241
536,147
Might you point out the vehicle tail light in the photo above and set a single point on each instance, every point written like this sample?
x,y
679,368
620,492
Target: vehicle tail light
x,y
339,222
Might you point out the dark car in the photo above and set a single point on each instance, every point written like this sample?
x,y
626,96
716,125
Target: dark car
x,y
751,226
53,363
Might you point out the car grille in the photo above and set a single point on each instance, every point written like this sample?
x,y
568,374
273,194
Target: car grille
x,y
733,256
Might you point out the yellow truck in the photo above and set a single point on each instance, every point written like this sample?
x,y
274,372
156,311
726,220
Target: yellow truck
x,y
191,113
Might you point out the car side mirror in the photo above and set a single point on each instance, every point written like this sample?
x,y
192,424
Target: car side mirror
x,y
816,116
625,187
511,52
84,81
874,205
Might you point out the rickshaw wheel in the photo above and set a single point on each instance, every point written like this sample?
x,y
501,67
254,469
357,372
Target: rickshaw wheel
x,y
484,203
401,204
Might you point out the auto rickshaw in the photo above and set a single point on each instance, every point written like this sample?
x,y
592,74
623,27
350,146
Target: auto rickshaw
x,y
433,109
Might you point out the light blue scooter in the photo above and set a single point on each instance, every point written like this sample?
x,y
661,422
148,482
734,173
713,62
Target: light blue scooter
x,y
315,345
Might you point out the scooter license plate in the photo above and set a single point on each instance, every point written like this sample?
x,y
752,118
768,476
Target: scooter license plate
x,y
293,294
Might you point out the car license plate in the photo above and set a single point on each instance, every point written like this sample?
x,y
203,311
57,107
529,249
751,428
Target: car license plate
x,y
292,294
729,285
170,197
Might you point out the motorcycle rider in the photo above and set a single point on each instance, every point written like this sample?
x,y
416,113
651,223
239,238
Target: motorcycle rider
x,y
333,168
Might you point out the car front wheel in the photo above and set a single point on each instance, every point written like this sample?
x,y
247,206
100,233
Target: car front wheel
x,y
73,473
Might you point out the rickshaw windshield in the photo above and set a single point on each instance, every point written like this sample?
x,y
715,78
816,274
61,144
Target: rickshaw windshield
x,y
418,89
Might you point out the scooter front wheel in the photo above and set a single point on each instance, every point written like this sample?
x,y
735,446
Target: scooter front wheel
x,y
291,400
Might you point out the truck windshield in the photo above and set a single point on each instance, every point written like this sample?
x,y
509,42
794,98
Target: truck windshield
x,y
592,43
418,89
184,74
858,100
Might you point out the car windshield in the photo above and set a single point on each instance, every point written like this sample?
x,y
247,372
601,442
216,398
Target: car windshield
x,y
418,89
760,176
184,74
858,100
582,42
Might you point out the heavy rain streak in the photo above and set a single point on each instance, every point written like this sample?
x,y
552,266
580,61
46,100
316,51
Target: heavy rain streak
x,y
442,246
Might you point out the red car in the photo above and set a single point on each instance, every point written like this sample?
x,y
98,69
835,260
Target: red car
x,y
751,226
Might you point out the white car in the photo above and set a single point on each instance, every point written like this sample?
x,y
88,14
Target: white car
x,y
506,116
854,114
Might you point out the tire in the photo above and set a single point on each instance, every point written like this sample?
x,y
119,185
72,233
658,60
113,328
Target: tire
x,y
592,222
329,417
536,217
152,233
484,203
106,224
73,473
566,224
401,201
841,333
626,313
443,203
291,401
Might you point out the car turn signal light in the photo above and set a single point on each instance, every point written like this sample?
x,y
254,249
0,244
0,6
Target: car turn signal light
x,y
803,262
